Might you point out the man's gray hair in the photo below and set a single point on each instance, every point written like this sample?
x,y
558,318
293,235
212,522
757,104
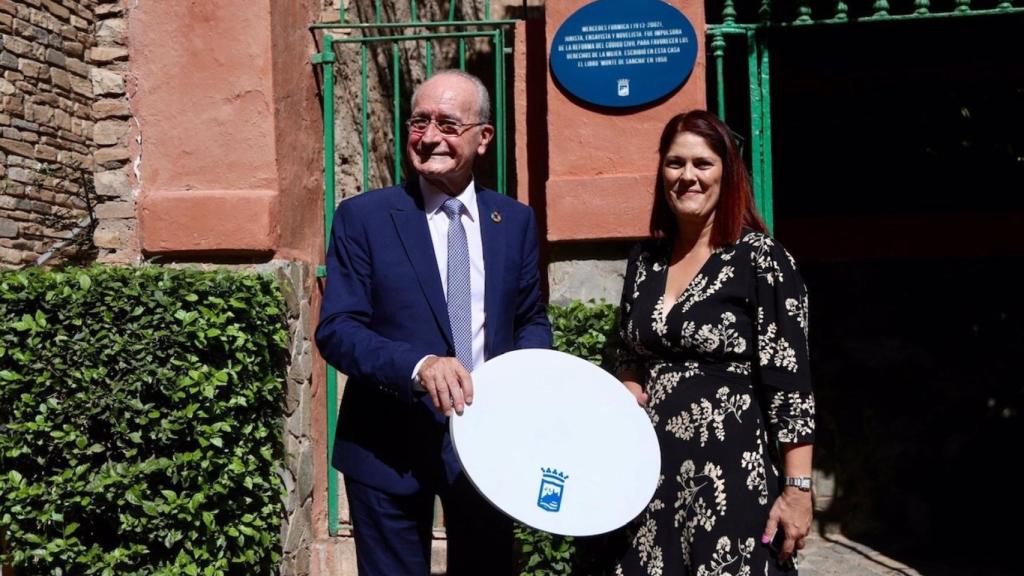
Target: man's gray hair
x,y
482,95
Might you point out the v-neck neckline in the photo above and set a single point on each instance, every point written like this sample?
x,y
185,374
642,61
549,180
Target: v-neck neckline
x,y
663,306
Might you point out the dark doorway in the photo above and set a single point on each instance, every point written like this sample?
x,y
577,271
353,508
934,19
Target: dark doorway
x,y
899,187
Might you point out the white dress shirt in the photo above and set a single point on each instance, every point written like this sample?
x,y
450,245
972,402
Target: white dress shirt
x,y
437,222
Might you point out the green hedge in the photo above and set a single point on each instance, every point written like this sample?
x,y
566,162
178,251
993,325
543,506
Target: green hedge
x,y
587,330
140,421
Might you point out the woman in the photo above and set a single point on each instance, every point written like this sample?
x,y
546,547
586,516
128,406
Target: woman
x,y
714,320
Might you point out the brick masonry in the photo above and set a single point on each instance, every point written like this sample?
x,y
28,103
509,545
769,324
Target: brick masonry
x,y
115,235
64,130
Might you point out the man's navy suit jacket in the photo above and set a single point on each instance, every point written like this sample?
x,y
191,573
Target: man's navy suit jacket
x,y
384,309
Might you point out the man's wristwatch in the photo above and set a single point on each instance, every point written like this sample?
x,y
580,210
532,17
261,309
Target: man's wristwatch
x,y
801,482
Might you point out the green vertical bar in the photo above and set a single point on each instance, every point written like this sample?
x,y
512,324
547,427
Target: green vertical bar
x,y
451,10
462,54
767,196
342,13
332,376
499,102
366,118
755,121
429,58
376,11
412,11
503,91
396,112
487,9
718,55
328,138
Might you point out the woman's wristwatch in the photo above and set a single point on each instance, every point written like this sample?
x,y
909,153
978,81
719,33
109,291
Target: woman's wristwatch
x,y
801,482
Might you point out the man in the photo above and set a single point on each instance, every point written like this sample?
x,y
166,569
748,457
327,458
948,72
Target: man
x,y
425,281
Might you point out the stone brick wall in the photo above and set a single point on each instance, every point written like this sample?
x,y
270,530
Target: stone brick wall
x,y
115,235
297,474
63,101
46,122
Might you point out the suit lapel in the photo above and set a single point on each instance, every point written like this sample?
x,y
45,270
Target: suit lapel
x,y
492,236
411,225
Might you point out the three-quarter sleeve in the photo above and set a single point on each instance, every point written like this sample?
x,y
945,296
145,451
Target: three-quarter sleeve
x,y
783,367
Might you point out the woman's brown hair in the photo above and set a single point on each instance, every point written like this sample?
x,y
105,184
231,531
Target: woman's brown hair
x,y
735,210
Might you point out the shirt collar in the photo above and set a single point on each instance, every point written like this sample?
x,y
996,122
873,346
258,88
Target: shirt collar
x,y
434,198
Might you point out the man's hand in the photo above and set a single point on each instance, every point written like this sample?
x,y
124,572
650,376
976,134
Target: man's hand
x,y
448,382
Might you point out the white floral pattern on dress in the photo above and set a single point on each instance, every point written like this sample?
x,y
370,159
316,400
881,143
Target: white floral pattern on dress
x,y
650,554
662,382
658,388
756,480
723,558
699,289
742,368
798,309
791,415
693,510
705,416
773,349
761,255
711,336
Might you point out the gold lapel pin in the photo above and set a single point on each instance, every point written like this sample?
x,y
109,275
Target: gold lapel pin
x,y
496,217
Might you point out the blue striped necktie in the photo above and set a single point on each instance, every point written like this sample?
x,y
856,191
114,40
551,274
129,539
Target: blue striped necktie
x,y
460,297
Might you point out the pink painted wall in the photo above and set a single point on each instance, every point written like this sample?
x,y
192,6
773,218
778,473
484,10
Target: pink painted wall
x,y
298,131
600,167
227,122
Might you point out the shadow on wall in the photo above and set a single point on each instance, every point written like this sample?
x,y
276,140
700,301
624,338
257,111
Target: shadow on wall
x,y
918,381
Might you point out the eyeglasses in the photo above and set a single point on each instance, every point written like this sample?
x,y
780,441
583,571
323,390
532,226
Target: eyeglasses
x,y
448,127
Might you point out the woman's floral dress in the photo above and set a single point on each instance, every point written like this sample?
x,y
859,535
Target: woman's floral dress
x,y
725,368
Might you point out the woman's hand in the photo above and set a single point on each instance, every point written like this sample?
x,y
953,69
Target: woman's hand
x,y
792,513
637,391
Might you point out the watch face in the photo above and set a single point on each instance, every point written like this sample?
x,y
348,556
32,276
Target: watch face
x,y
803,483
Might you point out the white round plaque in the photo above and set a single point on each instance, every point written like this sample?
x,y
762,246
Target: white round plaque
x,y
557,443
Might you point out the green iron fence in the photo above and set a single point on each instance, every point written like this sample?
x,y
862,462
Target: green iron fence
x,y
462,33
758,84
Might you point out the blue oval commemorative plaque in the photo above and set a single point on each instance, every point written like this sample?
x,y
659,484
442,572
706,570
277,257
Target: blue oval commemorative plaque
x,y
622,53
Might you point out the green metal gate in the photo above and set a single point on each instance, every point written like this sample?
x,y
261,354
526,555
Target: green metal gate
x,y
748,26
462,36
